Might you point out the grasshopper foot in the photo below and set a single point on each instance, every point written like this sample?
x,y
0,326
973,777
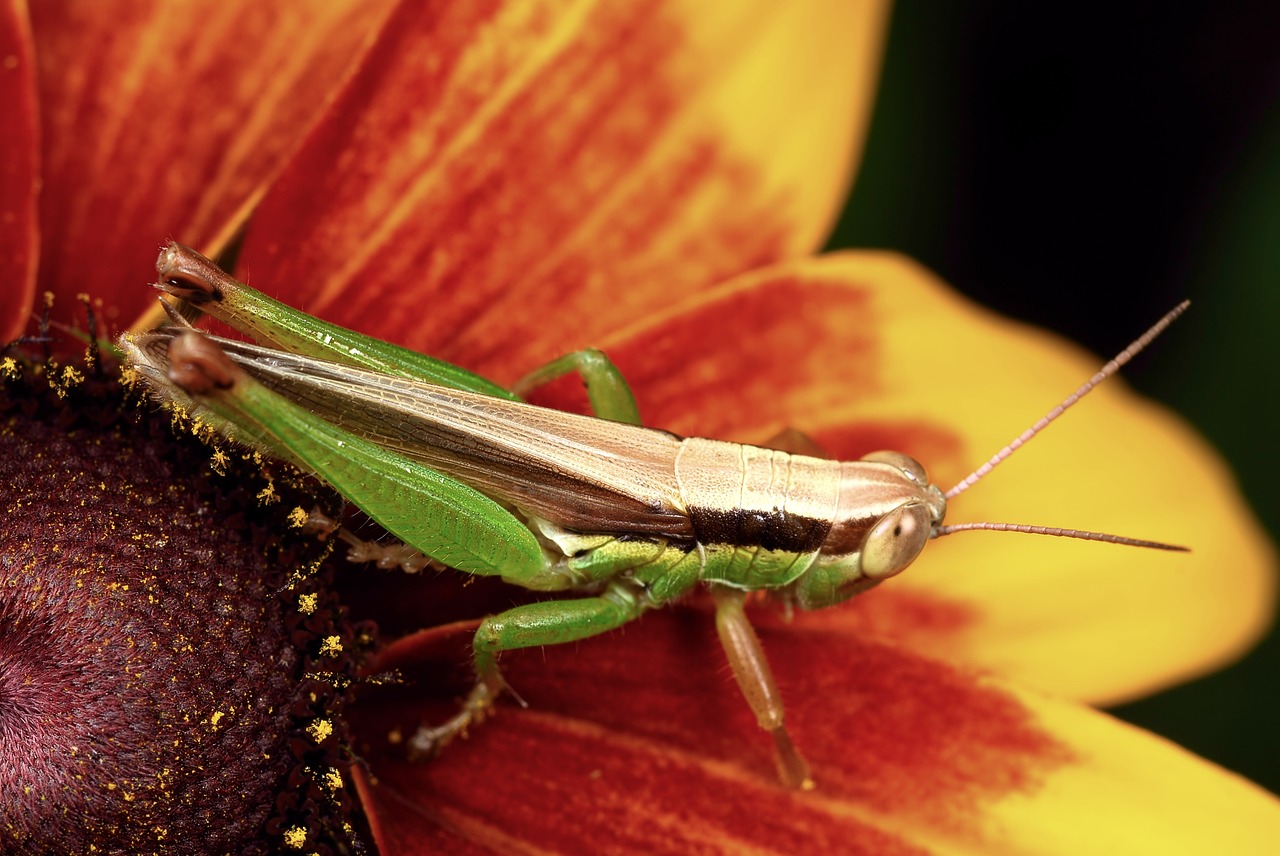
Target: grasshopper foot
x,y
429,740
793,770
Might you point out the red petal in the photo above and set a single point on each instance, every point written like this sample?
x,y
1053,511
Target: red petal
x,y
499,184
161,120
18,158
641,740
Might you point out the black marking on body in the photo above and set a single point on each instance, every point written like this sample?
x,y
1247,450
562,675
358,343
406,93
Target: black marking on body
x,y
772,529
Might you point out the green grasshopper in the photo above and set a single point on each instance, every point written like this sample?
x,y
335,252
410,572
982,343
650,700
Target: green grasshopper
x,y
625,518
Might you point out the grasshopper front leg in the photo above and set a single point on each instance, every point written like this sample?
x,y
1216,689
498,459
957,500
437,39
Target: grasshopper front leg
x,y
755,679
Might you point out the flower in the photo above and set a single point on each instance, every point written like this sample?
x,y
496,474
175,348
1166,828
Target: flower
x,y
140,681
500,185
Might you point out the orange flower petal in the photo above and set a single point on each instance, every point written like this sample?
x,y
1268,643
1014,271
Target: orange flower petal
x,y
639,742
492,168
868,351
164,119
18,170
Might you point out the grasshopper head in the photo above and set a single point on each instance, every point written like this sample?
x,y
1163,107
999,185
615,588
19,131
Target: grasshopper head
x,y
887,510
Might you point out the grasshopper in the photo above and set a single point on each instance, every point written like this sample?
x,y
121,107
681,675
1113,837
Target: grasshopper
x,y
620,517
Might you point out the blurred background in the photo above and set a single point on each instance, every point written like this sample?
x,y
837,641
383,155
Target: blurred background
x,y
1084,168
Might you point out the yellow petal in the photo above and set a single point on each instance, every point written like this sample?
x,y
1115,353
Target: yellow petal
x,y
488,170
1128,791
806,146
867,350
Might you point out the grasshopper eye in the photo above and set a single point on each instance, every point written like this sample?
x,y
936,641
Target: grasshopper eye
x,y
895,541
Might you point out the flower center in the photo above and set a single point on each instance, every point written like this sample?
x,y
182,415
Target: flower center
x,y
157,691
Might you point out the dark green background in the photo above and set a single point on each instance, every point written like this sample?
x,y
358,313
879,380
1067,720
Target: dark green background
x,y
1084,169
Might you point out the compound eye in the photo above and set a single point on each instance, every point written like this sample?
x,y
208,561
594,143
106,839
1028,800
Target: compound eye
x,y
909,465
895,541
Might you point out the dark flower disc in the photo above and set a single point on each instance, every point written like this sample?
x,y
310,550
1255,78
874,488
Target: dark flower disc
x,y
161,688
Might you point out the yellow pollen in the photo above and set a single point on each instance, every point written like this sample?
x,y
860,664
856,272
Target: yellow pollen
x,y
307,603
320,729
331,646
216,718
298,518
129,378
71,376
295,837
332,779
268,494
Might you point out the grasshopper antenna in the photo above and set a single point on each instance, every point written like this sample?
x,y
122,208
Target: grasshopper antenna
x,y
1078,534
999,457
1103,373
